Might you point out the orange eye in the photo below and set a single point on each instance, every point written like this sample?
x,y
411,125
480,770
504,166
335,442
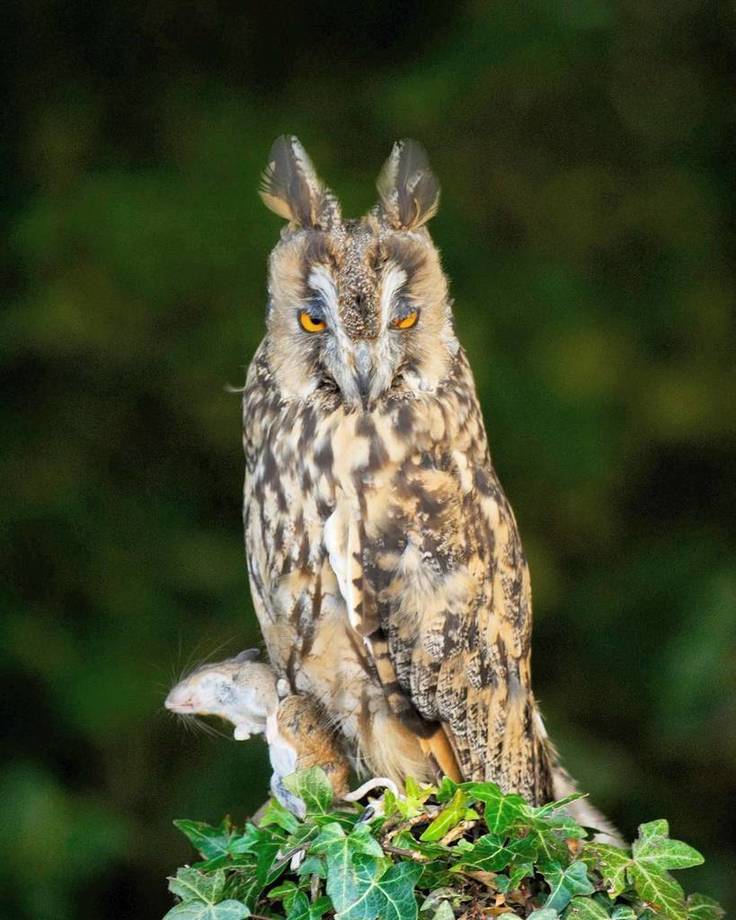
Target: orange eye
x,y
406,322
311,323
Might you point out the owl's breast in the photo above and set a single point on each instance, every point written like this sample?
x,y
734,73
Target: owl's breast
x,y
345,509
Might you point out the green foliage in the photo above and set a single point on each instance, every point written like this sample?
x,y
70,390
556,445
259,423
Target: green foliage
x,y
313,788
203,897
432,855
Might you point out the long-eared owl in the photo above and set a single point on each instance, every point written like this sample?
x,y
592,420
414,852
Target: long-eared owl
x,y
384,559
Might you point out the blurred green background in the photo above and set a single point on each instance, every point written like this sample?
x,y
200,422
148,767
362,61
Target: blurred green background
x,y
586,155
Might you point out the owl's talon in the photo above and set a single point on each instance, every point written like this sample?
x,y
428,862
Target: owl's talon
x,y
369,812
375,807
376,783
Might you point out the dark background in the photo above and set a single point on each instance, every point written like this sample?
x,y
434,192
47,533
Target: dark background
x,y
586,154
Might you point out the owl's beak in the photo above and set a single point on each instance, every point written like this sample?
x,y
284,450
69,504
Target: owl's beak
x,y
363,382
363,372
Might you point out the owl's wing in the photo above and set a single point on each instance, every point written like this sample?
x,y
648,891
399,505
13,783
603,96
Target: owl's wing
x,y
445,589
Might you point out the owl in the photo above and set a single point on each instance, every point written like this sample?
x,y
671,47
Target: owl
x,y
384,558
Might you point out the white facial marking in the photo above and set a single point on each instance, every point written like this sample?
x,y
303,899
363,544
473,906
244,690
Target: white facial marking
x,y
392,281
321,283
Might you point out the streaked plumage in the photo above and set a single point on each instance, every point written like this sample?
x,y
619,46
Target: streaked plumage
x,y
384,559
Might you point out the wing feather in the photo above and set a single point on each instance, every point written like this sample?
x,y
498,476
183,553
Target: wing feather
x,y
443,559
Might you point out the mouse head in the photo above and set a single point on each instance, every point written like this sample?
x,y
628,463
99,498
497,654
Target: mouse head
x,y
240,690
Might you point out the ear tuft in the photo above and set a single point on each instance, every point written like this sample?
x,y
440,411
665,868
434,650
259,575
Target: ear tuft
x,y
409,190
291,188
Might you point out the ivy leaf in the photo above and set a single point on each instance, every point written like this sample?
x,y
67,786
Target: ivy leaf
x,y
612,863
346,819
566,883
208,840
659,852
301,908
313,865
382,892
699,907
658,828
564,825
653,854
202,897
544,913
390,804
435,874
525,849
660,891
319,907
341,850
285,892
510,883
278,816
523,853
253,838
501,811
264,845
406,841
546,833
448,818
582,908
238,861
560,803
445,790
551,848
414,798
303,834
415,791
489,854
432,905
190,884
313,788
333,841
519,873
197,910
623,912
444,912
244,885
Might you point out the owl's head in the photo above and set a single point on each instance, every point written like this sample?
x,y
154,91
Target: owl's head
x,y
358,309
